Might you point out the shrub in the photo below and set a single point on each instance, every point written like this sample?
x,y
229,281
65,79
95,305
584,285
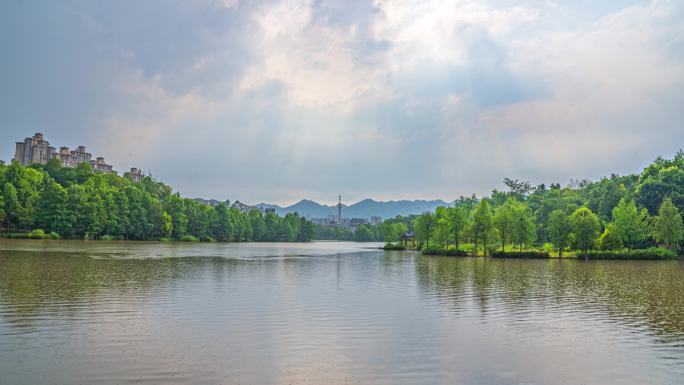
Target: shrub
x,y
106,237
165,239
189,238
36,234
392,246
54,235
207,238
443,251
653,253
520,254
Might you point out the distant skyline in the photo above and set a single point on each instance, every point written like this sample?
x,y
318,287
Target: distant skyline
x,y
275,101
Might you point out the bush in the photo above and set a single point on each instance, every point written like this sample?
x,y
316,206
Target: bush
x,y
207,238
54,235
106,238
653,253
520,254
165,239
36,234
189,238
443,251
392,246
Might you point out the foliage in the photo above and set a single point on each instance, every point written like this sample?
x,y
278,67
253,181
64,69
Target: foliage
x,y
650,253
443,251
629,225
392,246
37,234
619,208
189,238
391,231
482,227
560,228
668,226
503,221
424,225
365,233
520,254
609,240
80,204
339,233
585,229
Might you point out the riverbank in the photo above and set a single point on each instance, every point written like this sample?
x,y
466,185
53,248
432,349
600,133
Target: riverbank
x,y
653,253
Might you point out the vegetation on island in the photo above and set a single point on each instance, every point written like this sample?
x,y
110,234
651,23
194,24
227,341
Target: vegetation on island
x,y
50,201
617,217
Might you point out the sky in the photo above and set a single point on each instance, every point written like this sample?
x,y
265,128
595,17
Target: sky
x,y
275,101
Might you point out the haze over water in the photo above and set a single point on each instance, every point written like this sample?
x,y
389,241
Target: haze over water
x,y
333,313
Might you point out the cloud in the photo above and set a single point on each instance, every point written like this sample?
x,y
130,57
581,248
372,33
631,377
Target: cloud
x,y
278,100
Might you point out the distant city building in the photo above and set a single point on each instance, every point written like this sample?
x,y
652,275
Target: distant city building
x,y
339,210
72,158
38,150
357,221
135,174
2,162
375,221
33,150
99,165
211,202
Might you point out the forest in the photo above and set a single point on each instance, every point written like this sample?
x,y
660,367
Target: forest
x,y
635,216
58,202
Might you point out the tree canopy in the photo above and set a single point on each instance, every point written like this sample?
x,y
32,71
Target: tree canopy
x,y
77,203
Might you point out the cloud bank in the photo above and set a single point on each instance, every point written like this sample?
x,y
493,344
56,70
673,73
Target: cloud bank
x,y
388,99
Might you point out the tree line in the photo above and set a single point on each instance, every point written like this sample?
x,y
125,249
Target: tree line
x,y
76,203
616,213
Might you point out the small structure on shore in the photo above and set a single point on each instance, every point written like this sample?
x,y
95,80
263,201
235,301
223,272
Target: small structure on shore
x,y
408,237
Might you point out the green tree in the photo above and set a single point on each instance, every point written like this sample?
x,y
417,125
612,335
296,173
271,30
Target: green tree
x,y
523,229
458,221
53,214
256,219
2,209
12,208
175,207
668,225
363,233
442,232
166,224
307,231
560,228
503,221
483,224
629,226
424,225
585,229
609,240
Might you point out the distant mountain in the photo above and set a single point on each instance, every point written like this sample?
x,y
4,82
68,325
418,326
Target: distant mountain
x,y
363,209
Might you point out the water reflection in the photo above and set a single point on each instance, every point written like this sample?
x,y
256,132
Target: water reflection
x,y
331,313
636,293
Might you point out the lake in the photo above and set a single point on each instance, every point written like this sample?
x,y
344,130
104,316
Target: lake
x,y
74,312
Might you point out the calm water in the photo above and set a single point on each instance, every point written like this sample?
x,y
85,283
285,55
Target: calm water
x,y
330,313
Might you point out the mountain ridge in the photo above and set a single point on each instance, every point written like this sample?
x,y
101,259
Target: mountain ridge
x,y
364,208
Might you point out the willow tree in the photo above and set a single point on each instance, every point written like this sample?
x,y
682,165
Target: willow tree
x,y
503,221
424,225
668,225
522,224
483,224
